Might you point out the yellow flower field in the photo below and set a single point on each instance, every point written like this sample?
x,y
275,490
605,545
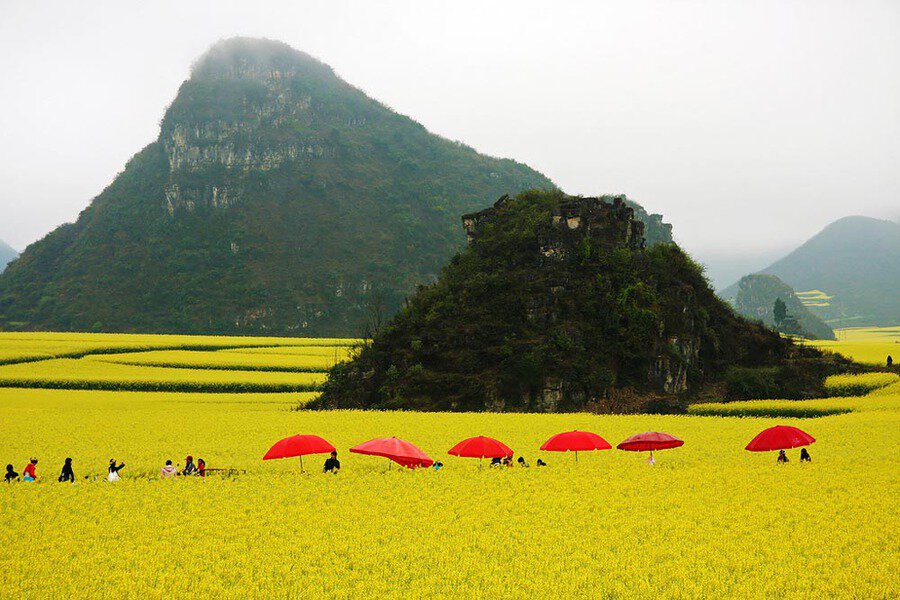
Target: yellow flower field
x,y
870,345
86,373
243,361
710,520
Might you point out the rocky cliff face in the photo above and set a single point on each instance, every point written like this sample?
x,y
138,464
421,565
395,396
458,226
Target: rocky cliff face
x,y
556,304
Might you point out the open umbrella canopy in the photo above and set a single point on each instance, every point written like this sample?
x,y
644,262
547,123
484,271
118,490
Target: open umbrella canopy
x,y
481,447
780,437
399,451
650,441
575,441
298,445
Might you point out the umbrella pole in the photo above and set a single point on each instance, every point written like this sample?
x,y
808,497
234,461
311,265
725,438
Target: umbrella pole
x,y
576,456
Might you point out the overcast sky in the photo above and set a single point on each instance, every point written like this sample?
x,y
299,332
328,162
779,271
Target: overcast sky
x,y
749,125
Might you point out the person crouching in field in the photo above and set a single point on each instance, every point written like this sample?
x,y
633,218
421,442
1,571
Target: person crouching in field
x,y
782,456
113,470
30,471
189,467
332,464
804,455
201,467
11,475
168,471
67,474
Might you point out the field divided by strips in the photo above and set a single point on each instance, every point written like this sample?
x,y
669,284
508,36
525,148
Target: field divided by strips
x,y
177,363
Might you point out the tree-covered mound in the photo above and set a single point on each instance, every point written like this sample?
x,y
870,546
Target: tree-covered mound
x,y
558,304
277,199
758,297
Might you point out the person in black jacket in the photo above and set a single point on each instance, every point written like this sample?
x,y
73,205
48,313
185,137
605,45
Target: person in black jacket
x,y
332,464
11,474
67,474
804,455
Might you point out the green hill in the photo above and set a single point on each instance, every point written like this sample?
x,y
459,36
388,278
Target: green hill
x,y
7,254
756,298
278,198
557,305
855,261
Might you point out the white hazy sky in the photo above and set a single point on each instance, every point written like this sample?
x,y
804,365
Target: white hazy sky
x,y
749,125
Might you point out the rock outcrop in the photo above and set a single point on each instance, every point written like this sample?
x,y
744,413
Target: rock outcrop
x,y
556,304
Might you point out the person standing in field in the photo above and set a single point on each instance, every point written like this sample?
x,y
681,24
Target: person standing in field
x,y
804,455
890,361
11,475
782,457
113,470
332,464
30,471
168,471
67,474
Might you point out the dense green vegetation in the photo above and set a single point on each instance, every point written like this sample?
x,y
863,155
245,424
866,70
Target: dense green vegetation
x,y
856,261
758,296
600,328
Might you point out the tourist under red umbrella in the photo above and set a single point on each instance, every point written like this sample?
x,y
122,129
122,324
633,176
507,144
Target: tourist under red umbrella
x,y
650,441
481,447
576,441
781,438
299,445
399,451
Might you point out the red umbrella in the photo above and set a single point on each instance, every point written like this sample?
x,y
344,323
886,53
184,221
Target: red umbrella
x,y
780,437
481,447
399,451
650,440
576,441
298,445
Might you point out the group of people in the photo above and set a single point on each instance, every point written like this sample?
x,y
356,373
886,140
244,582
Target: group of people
x,y
507,461
66,475
804,456
191,468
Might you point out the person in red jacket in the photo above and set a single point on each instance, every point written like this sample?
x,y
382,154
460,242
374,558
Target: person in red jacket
x,y
30,472
201,467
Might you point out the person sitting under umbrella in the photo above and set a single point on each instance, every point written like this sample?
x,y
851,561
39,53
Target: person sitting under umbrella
x,y
782,457
332,464
804,455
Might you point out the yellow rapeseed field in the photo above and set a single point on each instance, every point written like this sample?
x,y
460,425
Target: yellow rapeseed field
x,y
710,520
243,361
870,345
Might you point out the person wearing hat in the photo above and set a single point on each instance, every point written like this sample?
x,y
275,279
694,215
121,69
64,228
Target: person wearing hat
x,y
189,467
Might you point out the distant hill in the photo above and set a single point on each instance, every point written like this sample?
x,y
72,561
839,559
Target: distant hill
x,y
756,298
847,274
7,253
277,199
